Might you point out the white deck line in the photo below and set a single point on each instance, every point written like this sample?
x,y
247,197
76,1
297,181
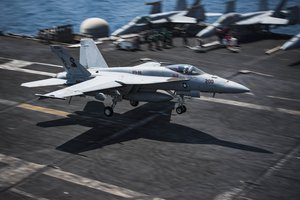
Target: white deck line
x,y
94,184
16,65
18,169
26,194
249,105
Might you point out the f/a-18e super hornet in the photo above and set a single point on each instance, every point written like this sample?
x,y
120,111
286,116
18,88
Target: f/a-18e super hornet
x,y
261,19
149,82
293,43
157,19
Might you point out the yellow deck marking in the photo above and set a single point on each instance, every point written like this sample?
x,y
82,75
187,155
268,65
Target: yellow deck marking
x,y
44,110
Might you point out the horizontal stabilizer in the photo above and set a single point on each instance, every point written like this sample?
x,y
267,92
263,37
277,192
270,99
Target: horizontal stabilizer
x,y
45,82
41,97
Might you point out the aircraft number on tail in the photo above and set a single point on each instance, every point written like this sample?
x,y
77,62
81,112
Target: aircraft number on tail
x,y
209,81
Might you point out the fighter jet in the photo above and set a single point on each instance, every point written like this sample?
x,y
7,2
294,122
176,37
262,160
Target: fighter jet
x,y
158,19
263,18
149,82
292,43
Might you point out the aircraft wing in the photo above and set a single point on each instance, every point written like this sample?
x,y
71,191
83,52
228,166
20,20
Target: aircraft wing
x,y
160,21
274,21
108,80
180,19
213,14
97,83
45,82
268,20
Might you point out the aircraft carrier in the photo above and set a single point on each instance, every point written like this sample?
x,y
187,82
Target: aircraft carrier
x,y
240,146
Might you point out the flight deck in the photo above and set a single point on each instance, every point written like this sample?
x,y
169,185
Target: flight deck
x,y
233,146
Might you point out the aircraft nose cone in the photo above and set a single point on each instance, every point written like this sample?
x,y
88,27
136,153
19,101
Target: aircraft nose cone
x,y
292,43
207,32
233,87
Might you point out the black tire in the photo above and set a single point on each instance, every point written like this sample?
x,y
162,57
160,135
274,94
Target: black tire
x,y
179,110
134,103
184,108
108,111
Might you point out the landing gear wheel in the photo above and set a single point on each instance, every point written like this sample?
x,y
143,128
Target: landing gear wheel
x,y
108,111
134,103
179,110
183,108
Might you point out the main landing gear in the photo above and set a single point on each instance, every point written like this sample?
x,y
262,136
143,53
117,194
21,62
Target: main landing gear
x,y
109,110
134,103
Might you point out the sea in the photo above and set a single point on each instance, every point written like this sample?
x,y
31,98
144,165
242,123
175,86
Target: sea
x,y
28,16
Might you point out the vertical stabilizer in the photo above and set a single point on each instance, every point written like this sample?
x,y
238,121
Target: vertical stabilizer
x,y
280,6
75,71
196,3
197,11
181,5
293,15
156,7
263,5
90,55
230,6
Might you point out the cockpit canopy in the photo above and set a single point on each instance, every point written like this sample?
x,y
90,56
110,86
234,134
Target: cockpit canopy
x,y
228,18
185,69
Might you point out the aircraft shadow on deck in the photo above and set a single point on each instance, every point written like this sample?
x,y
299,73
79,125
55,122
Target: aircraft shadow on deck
x,y
255,37
100,130
295,64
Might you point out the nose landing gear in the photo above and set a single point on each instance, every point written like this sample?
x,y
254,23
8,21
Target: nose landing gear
x,y
134,103
180,108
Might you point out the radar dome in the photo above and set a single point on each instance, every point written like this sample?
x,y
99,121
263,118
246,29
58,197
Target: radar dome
x,y
96,27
